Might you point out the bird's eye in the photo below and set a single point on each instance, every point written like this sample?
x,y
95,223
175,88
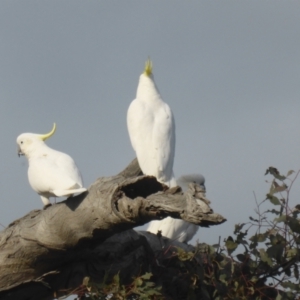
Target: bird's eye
x,y
21,142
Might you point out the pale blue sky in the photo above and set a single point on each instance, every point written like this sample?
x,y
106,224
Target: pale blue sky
x,y
229,70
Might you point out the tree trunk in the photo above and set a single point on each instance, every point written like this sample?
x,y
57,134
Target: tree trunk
x,y
48,252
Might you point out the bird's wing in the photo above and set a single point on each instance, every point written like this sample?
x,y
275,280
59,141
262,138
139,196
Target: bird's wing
x,y
163,138
152,134
140,119
68,167
53,171
135,122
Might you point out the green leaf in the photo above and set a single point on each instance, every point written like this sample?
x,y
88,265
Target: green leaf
x,y
290,285
149,284
146,276
138,281
276,238
290,172
280,219
183,255
232,268
224,278
278,297
116,279
252,219
241,257
294,225
273,171
211,249
265,258
236,285
273,211
274,200
288,272
238,227
230,245
260,237
153,293
251,290
291,253
276,252
277,188
85,281
240,239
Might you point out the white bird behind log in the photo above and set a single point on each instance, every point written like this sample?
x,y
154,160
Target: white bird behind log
x,y
50,173
177,229
151,130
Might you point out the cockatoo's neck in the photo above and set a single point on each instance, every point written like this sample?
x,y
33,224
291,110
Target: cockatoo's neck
x,y
34,151
147,90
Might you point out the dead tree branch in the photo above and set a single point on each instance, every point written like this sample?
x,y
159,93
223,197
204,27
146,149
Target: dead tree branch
x,y
48,252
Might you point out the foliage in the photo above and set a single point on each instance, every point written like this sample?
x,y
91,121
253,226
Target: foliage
x,y
141,288
266,267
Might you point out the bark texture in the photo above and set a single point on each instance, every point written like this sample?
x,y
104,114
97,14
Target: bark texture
x,y
47,253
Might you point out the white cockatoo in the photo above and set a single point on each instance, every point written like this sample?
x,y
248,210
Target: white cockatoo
x,y
151,130
177,229
50,173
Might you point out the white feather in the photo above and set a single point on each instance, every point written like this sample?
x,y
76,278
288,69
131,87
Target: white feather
x,y
50,173
151,129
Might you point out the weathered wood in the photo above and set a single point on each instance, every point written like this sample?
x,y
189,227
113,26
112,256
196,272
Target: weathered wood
x,y
46,250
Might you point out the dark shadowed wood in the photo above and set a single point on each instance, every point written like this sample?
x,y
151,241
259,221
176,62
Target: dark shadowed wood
x,y
50,251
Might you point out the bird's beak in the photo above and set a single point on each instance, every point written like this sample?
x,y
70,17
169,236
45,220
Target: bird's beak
x,y
20,152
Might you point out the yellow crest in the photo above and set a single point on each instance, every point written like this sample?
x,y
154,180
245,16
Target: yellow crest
x,y
148,67
47,135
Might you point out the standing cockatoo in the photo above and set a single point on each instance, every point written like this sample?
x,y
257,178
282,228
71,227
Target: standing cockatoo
x,y
177,229
50,173
151,130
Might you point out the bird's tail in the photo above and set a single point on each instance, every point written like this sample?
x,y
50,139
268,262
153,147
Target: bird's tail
x,y
61,193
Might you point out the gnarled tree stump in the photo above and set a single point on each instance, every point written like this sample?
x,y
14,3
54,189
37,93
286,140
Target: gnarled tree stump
x,y
48,252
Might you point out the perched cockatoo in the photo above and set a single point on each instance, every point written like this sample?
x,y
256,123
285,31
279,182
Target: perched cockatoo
x,y
50,173
151,130
177,229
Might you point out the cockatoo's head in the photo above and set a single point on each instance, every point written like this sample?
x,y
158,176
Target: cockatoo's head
x,y
147,89
28,142
148,68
